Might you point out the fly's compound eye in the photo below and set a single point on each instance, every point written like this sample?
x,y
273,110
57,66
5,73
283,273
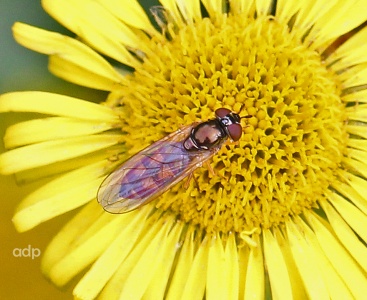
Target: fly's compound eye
x,y
222,112
235,131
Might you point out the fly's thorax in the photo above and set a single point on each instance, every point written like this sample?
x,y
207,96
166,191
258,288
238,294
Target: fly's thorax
x,y
205,136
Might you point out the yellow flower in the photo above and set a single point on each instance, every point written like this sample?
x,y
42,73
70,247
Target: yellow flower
x,y
285,212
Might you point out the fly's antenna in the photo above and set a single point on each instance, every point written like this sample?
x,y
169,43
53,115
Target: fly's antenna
x,y
244,117
241,110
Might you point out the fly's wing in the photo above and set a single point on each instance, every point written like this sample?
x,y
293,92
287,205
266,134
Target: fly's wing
x,y
150,173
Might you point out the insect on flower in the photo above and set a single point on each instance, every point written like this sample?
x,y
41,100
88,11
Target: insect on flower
x,y
152,171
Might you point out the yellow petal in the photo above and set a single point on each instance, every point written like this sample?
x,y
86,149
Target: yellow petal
x,y
96,26
129,12
231,270
346,235
243,258
255,278
142,273
84,221
40,130
304,258
354,77
351,214
102,270
358,113
349,193
51,207
45,153
298,288
287,9
349,14
214,7
108,28
216,280
195,285
65,182
158,284
358,130
85,253
244,7
264,7
358,184
277,268
71,51
342,262
359,96
359,166
346,74
171,7
55,104
336,286
80,75
59,196
60,167
357,143
115,285
182,268
190,10
310,11
352,52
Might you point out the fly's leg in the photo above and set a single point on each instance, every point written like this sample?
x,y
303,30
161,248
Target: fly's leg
x,y
187,182
210,168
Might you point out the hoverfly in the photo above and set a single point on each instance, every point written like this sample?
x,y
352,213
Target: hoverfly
x,y
152,171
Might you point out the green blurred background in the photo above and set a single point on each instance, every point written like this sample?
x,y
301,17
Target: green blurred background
x,y
22,69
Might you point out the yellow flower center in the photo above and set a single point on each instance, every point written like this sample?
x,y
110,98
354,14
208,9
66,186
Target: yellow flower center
x,y
292,145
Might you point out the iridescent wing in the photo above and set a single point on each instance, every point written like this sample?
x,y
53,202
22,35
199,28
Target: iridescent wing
x,y
150,173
